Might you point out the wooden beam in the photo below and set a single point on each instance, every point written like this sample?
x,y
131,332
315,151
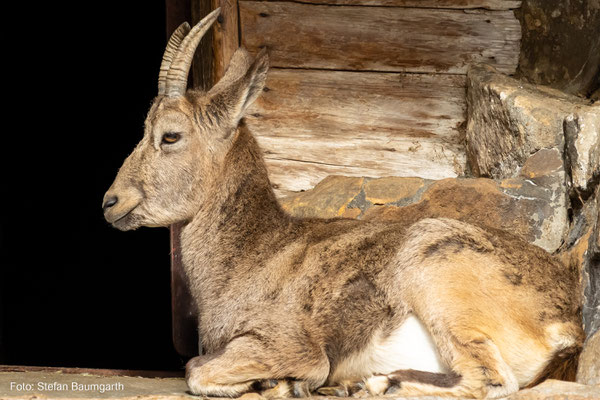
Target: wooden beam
x,y
311,124
380,38
451,4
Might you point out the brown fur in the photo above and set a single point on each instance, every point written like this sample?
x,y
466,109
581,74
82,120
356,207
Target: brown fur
x,y
287,298
563,366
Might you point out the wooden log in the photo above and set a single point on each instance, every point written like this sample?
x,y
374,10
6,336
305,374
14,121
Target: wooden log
x,y
301,168
311,124
452,4
380,38
225,37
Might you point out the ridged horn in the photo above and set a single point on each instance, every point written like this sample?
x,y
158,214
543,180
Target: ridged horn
x,y
180,67
170,53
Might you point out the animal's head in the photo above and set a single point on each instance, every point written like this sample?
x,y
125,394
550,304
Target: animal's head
x,y
186,137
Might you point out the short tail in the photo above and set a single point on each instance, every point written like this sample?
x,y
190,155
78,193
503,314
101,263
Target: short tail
x,y
563,366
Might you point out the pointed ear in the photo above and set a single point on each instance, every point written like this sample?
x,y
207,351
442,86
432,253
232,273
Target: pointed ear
x,y
256,78
242,83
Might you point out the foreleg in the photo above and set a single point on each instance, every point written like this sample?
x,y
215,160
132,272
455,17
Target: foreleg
x,y
246,365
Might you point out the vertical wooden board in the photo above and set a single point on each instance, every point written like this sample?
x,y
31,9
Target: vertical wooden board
x,y
202,67
314,123
451,4
380,38
225,37
184,321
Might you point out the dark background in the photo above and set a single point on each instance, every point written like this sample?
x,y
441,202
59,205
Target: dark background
x,y
75,292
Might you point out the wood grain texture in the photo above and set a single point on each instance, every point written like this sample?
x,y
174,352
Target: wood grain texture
x,y
311,124
225,36
394,39
451,4
202,67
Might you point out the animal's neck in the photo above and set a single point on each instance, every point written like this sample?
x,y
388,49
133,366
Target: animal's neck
x,y
240,212
240,195
239,220
244,190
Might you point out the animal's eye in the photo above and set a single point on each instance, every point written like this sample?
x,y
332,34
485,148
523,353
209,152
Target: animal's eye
x,y
170,137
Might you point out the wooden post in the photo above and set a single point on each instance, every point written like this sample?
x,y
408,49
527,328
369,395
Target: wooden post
x,y
226,36
217,47
202,67
184,319
210,62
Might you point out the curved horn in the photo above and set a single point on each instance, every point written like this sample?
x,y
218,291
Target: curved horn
x,y
180,67
170,53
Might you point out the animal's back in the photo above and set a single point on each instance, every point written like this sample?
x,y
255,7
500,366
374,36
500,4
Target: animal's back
x,y
401,283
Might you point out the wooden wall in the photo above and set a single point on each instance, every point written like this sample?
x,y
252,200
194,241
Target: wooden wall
x,y
370,87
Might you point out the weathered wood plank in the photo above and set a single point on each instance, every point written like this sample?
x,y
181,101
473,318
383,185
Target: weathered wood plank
x,y
225,36
452,4
298,167
202,67
380,38
311,124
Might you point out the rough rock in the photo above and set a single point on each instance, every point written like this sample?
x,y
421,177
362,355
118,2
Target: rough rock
x,y
330,197
582,133
588,371
558,390
581,250
392,189
560,44
527,206
509,120
590,266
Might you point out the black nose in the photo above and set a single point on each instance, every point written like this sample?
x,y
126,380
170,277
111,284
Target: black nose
x,y
111,201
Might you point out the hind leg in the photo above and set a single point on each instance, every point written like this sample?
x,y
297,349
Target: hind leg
x,y
389,384
478,371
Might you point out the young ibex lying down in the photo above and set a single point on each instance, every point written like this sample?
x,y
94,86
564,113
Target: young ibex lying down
x,y
338,306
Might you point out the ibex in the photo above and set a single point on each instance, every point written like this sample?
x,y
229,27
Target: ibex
x,y
292,306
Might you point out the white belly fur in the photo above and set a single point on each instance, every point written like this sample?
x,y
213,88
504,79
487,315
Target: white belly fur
x,y
409,346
